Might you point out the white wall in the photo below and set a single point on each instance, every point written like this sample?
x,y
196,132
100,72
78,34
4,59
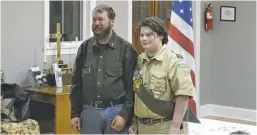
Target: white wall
x,y
22,34
122,22
228,61
228,58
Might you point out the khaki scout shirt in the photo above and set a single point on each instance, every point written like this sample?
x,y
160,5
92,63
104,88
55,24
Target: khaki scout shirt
x,y
164,76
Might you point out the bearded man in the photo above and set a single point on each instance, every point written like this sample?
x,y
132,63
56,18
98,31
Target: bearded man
x,y
102,83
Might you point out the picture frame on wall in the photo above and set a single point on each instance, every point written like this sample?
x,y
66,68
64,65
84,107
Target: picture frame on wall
x,y
228,13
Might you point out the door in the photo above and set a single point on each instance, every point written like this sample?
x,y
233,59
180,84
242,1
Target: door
x,y
163,11
141,9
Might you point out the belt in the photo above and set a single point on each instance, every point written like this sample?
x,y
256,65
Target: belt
x,y
149,121
105,104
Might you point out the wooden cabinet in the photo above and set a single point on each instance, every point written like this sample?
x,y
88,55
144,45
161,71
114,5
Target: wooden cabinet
x,y
142,9
59,98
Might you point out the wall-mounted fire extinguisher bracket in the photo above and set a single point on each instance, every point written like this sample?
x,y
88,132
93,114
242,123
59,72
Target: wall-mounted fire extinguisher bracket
x,y
208,16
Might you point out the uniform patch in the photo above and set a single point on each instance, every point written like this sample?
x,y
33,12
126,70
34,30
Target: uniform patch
x,y
182,64
137,79
187,72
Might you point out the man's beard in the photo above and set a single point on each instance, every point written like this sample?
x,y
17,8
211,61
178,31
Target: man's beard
x,y
104,33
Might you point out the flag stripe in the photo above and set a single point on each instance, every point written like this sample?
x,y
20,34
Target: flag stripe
x,y
181,38
183,27
183,41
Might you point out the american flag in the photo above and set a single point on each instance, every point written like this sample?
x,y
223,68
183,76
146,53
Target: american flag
x,y
181,37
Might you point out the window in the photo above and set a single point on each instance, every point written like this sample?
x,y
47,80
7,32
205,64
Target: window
x,y
69,14
75,20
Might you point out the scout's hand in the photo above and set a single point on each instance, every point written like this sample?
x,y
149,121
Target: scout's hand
x,y
174,129
133,129
118,123
75,123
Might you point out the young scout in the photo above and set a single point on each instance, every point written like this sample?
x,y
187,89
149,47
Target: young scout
x,y
162,84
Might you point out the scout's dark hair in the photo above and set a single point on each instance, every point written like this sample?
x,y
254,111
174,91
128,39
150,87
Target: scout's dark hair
x,y
156,25
102,7
239,133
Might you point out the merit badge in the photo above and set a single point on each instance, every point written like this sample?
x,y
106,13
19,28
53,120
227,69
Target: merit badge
x,y
137,80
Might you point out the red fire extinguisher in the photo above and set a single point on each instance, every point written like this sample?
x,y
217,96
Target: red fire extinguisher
x,y
208,17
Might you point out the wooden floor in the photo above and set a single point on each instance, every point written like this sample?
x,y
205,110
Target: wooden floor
x,y
231,120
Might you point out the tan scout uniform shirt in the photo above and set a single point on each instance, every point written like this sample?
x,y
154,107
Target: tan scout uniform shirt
x,y
165,76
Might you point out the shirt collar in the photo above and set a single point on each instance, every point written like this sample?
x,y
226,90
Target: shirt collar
x,y
111,42
159,56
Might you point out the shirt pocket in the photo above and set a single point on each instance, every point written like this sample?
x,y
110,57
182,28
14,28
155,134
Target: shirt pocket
x,y
113,79
158,83
113,72
88,77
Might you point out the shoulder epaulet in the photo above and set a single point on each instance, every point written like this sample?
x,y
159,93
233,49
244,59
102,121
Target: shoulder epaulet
x,y
179,56
181,63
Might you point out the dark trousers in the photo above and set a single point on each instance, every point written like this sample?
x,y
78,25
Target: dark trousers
x,y
98,121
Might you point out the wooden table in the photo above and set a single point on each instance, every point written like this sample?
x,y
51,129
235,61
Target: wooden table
x,y
59,97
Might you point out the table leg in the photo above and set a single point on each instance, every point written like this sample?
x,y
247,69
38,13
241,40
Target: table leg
x,y
62,115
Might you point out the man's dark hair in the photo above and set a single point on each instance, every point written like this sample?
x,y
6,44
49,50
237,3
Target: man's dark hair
x,y
239,133
156,25
102,7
